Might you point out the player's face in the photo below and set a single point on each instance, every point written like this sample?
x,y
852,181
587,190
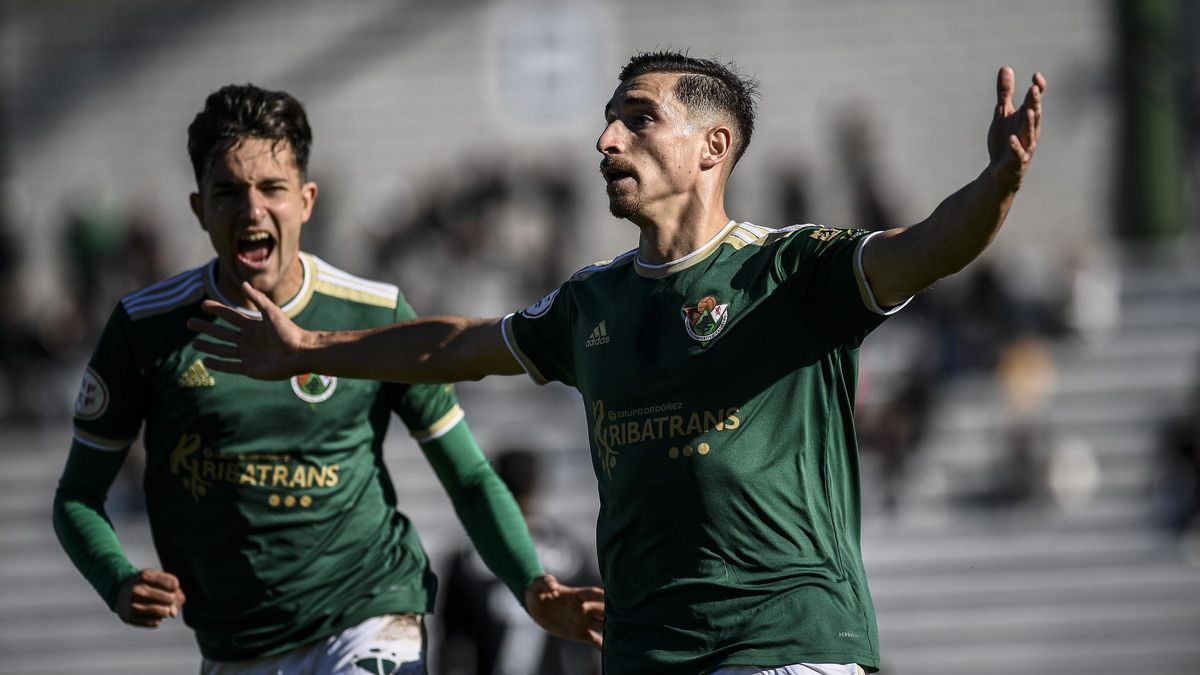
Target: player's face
x,y
651,147
253,202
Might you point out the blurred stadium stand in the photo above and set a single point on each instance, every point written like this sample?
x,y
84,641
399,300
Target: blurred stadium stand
x,y
992,557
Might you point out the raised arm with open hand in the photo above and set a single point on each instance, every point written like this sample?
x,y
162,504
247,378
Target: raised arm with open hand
x,y
435,349
905,260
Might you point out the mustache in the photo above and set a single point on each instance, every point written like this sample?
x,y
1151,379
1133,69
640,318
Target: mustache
x,y
611,164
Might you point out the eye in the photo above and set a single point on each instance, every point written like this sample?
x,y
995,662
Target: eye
x,y
640,120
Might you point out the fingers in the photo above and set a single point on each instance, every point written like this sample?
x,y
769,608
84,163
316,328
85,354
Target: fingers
x,y
213,330
225,312
149,597
222,366
216,348
1004,91
1018,150
259,299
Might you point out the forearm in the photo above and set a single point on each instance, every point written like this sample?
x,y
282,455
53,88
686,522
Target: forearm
x,y
486,509
905,261
963,225
82,526
428,350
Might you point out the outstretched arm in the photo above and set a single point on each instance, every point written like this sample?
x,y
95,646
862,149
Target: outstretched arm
x,y
901,262
428,350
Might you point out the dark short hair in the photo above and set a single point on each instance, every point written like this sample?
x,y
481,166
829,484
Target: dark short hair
x,y
237,112
706,85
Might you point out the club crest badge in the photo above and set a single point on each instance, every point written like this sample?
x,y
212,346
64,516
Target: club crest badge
x,y
314,388
92,400
704,321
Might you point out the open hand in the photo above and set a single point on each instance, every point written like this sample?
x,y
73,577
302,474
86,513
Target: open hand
x,y
568,612
267,349
146,598
1013,134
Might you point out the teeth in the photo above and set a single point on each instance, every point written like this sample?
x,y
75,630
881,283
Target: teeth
x,y
255,236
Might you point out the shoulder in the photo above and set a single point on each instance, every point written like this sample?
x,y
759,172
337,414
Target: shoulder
x,y
183,289
589,276
337,283
620,262
749,234
808,238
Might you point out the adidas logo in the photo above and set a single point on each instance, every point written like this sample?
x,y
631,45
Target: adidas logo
x,y
599,336
196,376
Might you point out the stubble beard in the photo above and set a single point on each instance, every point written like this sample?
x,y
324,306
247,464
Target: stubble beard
x,y
624,205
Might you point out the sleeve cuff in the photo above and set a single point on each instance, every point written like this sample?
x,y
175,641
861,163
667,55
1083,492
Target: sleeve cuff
x,y
510,341
441,427
864,287
99,443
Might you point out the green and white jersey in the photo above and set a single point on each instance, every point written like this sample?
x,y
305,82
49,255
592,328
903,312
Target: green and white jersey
x,y
269,500
719,392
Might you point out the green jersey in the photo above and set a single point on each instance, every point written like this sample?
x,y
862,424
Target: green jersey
x,y
269,500
719,392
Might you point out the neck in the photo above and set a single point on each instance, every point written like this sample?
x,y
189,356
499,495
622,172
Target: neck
x,y
287,288
672,235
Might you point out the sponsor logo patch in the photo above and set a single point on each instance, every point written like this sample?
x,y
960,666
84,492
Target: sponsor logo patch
x,y
314,388
706,319
92,400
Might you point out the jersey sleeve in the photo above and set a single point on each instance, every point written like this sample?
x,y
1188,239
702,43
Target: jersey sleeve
x,y
428,410
111,401
539,337
822,270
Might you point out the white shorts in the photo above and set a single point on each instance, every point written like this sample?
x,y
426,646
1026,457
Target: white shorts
x,y
795,669
392,644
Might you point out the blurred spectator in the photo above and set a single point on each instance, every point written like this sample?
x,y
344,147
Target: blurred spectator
x,y
895,431
1089,301
1018,472
1175,498
875,206
485,220
485,630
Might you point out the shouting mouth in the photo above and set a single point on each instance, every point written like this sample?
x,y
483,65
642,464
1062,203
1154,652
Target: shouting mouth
x,y
254,249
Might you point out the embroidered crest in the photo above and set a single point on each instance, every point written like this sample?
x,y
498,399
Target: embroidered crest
x,y
92,400
706,319
314,388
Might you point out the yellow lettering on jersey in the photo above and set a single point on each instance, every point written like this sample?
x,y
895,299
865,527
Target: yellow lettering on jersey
x,y
332,479
316,477
279,475
298,478
247,477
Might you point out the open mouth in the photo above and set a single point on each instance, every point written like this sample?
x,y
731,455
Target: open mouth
x,y
254,249
616,179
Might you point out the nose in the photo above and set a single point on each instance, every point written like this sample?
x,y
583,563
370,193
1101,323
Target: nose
x,y
252,206
611,141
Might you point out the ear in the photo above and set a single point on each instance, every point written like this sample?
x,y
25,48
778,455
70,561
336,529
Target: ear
x,y
308,197
197,203
718,147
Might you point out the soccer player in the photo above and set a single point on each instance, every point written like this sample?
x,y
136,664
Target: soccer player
x,y
271,508
717,363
